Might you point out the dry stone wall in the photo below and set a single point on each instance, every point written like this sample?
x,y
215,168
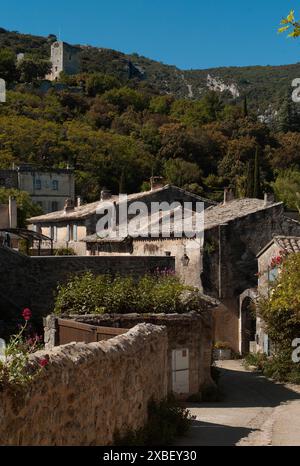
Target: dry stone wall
x,y
89,391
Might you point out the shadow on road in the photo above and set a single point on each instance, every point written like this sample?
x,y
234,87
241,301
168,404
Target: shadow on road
x,y
250,389
248,399
205,434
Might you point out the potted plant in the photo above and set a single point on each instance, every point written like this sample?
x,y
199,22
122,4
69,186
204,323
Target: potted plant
x,y
222,351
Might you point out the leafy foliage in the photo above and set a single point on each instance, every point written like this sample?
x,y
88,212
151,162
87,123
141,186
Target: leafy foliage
x,y
26,208
89,294
16,372
281,313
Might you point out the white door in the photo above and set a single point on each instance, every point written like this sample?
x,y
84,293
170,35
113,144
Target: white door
x,y
180,371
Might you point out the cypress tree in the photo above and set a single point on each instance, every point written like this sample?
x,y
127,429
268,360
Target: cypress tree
x,y
250,179
245,108
256,177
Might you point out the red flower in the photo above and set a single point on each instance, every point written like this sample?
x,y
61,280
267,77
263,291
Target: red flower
x,y
43,362
27,314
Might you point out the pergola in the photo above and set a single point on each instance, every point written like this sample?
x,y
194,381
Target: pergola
x,y
29,236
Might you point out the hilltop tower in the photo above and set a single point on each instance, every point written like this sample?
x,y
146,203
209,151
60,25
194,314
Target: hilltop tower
x,y
64,57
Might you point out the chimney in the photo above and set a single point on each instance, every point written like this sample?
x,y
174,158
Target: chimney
x,y
79,201
12,212
105,194
69,205
268,198
156,182
228,195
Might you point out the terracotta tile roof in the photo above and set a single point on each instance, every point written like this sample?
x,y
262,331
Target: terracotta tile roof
x,y
289,244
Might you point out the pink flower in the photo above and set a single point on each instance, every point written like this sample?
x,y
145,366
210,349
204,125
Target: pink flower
x,y
43,362
27,314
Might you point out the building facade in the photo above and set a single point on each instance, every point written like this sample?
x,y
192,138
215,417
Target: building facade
x,y
64,58
75,226
47,188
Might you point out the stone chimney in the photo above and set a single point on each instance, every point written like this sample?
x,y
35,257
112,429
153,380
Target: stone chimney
x,y
228,195
69,205
105,194
12,212
156,182
269,198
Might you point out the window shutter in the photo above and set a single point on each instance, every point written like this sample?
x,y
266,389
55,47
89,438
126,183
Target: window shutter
x,y
75,232
68,233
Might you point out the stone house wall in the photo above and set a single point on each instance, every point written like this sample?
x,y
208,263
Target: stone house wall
x,y
190,273
89,391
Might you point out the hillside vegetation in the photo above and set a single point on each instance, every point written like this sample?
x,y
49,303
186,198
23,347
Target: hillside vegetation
x,y
125,118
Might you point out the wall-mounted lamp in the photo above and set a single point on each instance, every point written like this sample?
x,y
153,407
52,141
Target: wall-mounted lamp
x,y
185,260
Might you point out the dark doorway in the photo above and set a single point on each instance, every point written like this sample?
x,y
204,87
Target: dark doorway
x,y
248,322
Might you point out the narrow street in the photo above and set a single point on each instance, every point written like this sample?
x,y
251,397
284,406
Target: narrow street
x,y
254,412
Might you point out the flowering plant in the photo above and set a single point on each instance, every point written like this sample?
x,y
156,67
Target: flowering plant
x,y
15,368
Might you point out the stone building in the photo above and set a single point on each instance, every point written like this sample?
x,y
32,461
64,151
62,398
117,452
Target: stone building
x,y
49,188
64,58
222,262
75,226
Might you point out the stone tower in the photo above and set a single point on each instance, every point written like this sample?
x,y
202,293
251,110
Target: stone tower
x,y
64,58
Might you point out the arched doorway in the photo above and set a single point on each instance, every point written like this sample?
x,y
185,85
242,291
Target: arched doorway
x,y
248,324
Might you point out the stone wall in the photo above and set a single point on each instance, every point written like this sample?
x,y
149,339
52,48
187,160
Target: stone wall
x,y
89,391
192,332
230,264
32,281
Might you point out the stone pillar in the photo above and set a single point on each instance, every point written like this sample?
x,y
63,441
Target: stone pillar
x,y
50,331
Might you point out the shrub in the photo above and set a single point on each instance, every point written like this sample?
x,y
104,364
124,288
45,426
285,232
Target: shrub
x,y
166,420
158,293
15,369
65,252
257,360
280,312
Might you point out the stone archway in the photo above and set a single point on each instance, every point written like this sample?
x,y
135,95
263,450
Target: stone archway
x,y
247,320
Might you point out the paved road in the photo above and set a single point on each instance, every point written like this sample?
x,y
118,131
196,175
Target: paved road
x,y
254,411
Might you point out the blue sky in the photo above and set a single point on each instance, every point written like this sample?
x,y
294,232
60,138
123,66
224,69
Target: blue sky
x,y
186,33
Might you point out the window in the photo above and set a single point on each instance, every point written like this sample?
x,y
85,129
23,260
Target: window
x,y
54,206
75,234
272,274
38,185
55,185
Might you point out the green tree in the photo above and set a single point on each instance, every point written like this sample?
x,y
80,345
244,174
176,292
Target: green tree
x,y
26,208
180,172
8,70
33,68
98,83
287,188
256,182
